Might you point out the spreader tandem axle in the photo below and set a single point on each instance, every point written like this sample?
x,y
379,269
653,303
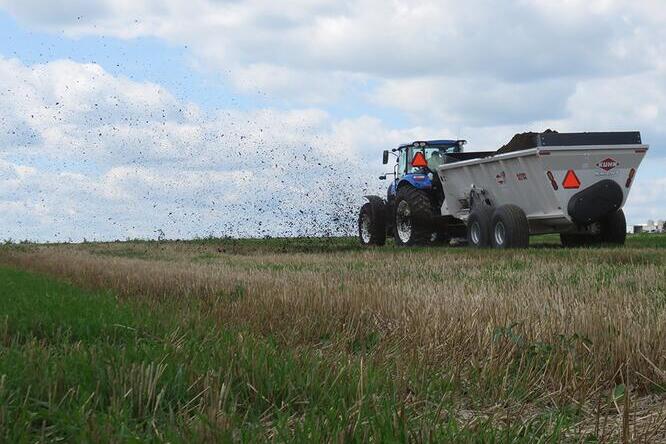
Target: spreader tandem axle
x,y
574,184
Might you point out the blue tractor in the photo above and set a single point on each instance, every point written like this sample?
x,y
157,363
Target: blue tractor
x,y
411,212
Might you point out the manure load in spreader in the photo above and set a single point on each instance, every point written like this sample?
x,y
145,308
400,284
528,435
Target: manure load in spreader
x,y
574,184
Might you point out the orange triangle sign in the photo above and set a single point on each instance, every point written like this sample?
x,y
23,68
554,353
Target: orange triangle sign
x,y
419,160
571,180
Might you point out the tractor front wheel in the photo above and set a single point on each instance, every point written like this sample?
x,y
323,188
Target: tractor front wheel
x,y
371,226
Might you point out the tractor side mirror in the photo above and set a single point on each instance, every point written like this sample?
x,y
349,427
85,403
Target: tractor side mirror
x,y
382,177
385,158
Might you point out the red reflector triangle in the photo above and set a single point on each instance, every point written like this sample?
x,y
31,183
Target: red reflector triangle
x,y
419,160
571,180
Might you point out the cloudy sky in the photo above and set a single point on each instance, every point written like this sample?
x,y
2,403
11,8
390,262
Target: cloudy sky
x,y
124,118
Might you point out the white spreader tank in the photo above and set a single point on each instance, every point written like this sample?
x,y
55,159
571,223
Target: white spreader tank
x,y
569,183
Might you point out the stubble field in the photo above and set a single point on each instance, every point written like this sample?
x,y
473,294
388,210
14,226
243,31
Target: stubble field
x,y
317,340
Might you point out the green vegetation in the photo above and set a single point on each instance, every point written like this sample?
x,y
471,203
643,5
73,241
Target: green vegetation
x,y
77,366
243,341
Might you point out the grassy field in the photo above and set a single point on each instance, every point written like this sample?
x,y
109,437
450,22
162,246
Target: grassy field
x,y
317,340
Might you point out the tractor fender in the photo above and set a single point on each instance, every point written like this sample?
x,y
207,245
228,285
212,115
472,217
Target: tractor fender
x,y
418,181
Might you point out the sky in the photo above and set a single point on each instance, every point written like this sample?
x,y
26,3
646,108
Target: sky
x,y
144,118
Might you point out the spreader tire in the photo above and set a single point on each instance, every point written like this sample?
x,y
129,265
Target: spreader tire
x,y
478,227
614,228
371,225
413,218
509,228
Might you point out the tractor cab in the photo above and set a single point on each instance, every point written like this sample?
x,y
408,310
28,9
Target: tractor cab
x,y
411,211
417,164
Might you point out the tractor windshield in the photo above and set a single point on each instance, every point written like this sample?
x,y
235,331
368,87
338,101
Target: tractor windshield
x,y
434,156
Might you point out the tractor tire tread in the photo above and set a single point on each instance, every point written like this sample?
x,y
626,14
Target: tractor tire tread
x,y
377,225
422,215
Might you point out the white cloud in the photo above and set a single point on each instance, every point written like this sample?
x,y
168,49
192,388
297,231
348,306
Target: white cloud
x,y
646,200
475,63
490,112
155,163
471,67
272,46
295,86
475,101
97,152
637,100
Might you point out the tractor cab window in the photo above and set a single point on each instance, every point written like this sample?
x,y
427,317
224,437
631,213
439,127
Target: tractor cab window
x,y
402,162
435,156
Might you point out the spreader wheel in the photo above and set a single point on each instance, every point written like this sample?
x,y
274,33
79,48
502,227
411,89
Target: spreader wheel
x,y
510,228
478,227
614,228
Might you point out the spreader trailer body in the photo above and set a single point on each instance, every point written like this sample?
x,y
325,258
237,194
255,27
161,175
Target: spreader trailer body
x,y
569,183
574,184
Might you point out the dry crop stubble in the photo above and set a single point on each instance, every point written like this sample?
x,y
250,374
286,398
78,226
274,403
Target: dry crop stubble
x,y
457,306
569,324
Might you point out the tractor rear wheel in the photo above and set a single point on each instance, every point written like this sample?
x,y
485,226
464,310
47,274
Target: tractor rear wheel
x,y
371,226
413,218
509,228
